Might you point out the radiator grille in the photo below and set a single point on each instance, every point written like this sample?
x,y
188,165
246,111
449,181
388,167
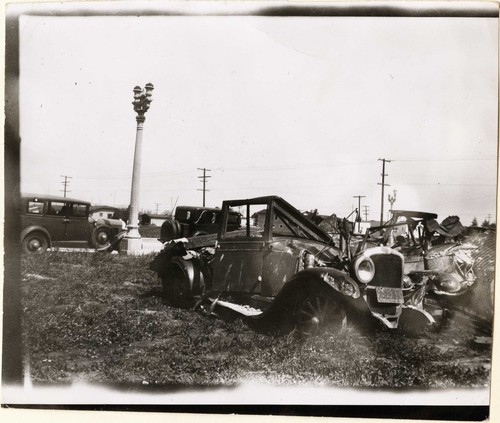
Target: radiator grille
x,y
388,270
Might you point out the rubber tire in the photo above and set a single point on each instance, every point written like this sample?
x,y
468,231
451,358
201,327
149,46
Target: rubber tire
x,y
176,288
319,312
170,230
95,239
35,237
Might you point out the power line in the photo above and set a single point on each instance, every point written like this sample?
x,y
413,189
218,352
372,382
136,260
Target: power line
x,y
290,167
204,181
458,159
439,184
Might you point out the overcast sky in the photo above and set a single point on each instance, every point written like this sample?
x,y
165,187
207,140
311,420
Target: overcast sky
x,y
301,107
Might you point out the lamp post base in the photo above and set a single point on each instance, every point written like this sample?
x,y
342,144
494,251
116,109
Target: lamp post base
x,y
131,246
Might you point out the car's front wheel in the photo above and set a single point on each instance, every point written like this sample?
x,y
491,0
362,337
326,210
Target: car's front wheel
x,y
318,312
35,242
101,238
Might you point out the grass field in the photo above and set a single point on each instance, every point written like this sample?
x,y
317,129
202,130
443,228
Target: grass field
x,y
100,318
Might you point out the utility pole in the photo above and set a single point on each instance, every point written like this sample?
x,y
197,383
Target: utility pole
x,y
65,184
366,212
383,185
204,180
157,204
359,197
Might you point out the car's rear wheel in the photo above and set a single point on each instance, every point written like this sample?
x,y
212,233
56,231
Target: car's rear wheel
x,y
35,242
319,312
176,288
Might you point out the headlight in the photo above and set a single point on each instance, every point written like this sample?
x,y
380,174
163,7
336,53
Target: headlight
x,y
364,269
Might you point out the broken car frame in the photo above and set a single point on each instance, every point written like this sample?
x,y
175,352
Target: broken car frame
x,y
282,271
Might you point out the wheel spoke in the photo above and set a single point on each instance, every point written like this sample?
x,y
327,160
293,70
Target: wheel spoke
x,y
317,313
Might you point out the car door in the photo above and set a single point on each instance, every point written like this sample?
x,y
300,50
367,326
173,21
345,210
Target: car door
x,y
54,221
239,255
77,224
282,253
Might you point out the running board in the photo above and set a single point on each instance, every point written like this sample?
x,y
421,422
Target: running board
x,y
241,309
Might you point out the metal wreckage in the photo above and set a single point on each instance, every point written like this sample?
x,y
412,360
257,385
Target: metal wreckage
x,y
281,271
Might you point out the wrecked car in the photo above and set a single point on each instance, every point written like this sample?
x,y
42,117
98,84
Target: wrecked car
x,y
281,271
432,251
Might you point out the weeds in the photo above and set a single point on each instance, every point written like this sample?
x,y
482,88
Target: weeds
x,y
100,318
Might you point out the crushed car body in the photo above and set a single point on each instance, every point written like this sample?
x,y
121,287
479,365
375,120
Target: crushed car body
x,y
281,270
432,251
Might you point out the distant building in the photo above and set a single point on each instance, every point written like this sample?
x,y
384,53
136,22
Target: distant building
x,y
105,212
158,219
259,218
361,227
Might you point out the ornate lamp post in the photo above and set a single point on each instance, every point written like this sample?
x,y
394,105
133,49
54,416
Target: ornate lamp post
x,y
392,199
142,100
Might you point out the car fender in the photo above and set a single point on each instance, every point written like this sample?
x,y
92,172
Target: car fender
x,y
332,278
34,228
339,284
451,284
318,278
114,241
114,224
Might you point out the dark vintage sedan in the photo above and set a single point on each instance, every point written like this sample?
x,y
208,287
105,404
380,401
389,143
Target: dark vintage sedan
x,y
190,221
281,271
51,221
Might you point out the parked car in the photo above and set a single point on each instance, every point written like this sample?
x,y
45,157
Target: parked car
x,y
51,221
284,272
196,221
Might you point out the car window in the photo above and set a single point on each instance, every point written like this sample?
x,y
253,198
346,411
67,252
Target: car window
x,y
35,207
253,218
206,217
79,210
182,214
57,208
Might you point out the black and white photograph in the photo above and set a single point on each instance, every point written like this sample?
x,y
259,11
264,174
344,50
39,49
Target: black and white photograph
x,y
270,208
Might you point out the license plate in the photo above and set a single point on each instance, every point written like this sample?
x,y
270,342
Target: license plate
x,y
389,295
